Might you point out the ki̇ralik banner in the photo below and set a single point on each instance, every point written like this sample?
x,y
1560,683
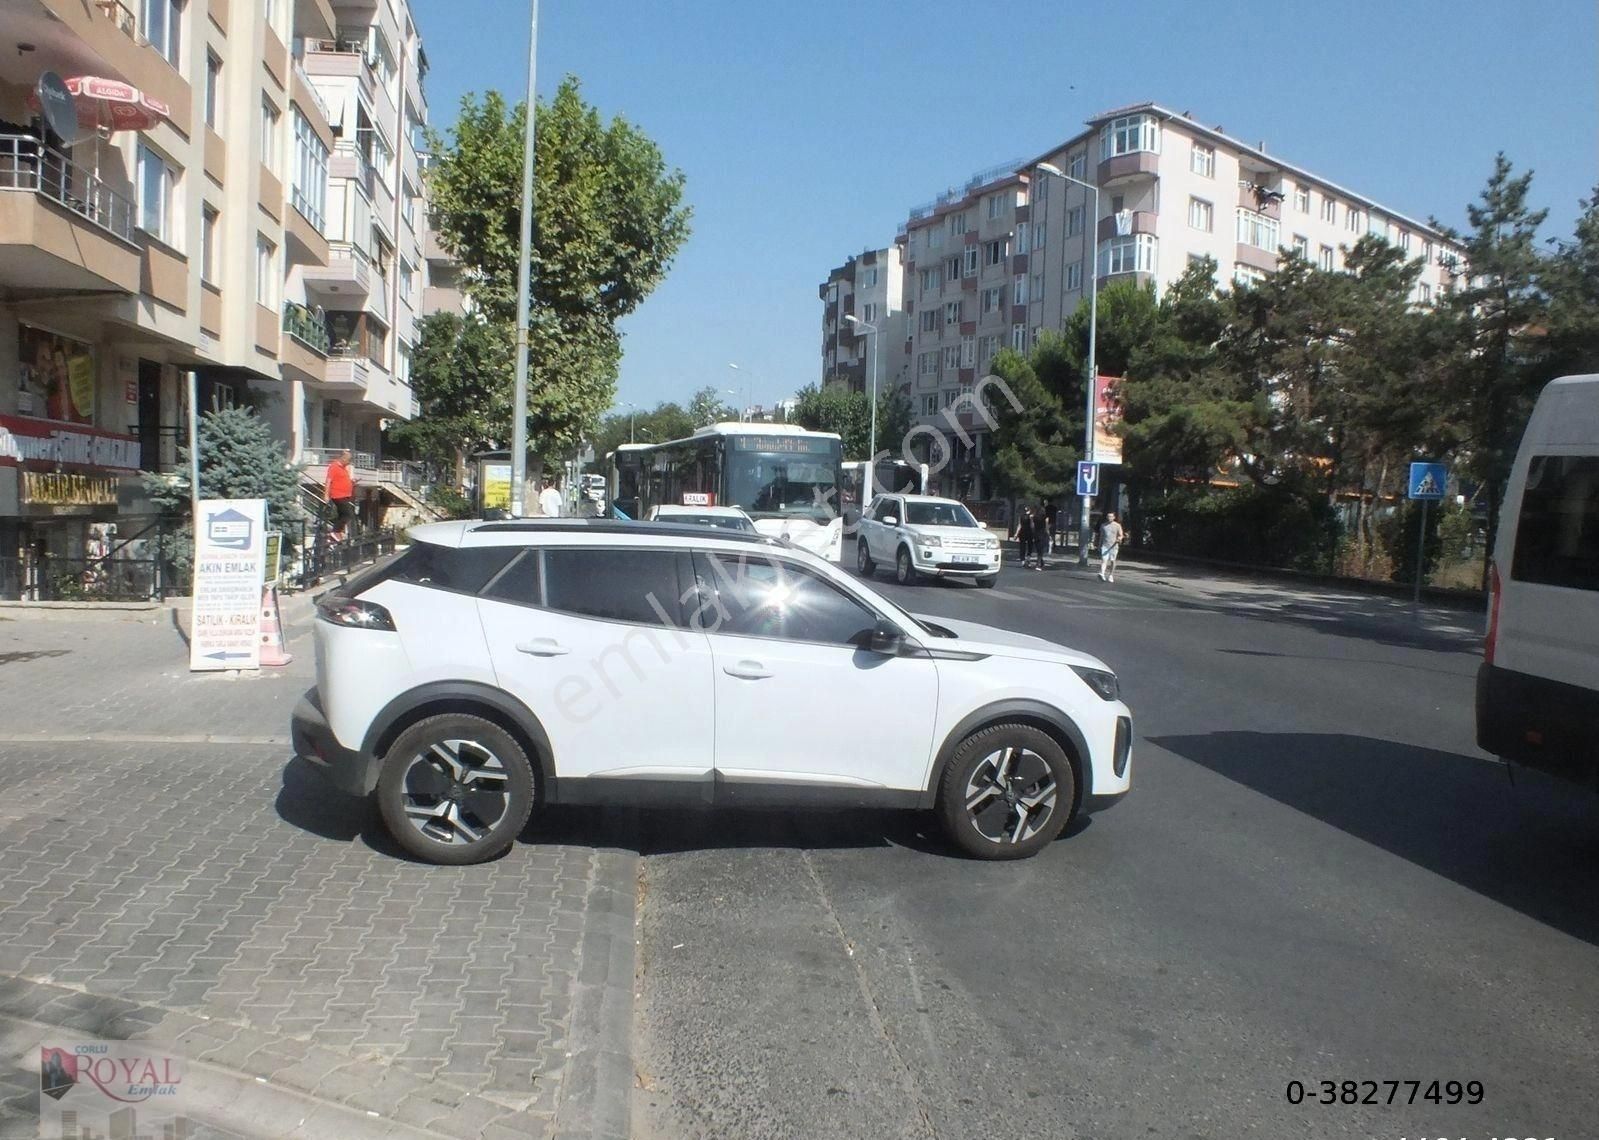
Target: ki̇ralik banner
x,y
229,565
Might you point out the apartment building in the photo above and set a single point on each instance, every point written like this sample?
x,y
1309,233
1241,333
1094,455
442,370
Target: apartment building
x,y
240,202
871,287
1009,253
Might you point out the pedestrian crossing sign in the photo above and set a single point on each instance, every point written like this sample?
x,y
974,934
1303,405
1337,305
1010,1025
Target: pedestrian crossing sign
x,y
1427,481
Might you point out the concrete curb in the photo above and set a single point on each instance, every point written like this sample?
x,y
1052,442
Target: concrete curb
x,y
596,1096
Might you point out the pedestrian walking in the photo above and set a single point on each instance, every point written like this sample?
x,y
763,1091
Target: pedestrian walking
x,y
1024,535
341,494
1110,543
551,501
1046,531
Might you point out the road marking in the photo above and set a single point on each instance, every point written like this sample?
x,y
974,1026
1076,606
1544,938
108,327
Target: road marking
x,y
134,738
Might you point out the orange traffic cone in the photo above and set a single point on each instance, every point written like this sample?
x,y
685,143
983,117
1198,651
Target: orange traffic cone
x,y
274,650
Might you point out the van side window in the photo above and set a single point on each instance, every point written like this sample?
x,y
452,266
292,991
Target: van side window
x,y
1557,532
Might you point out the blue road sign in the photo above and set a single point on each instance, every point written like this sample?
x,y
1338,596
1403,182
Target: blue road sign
x,y
1088,479
1427,481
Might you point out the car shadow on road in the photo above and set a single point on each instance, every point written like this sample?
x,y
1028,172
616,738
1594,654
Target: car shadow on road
x,y
1532,846
308,802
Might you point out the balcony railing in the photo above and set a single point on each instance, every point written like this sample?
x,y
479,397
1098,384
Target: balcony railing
x,y
27,165
405,472
316,96
300,323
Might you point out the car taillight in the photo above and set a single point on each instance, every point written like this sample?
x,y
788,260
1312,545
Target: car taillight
x,y
1493,613
353,612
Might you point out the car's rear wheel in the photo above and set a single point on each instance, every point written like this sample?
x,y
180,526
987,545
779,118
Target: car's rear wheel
x,y
456,789
1007,792
863,559
904,568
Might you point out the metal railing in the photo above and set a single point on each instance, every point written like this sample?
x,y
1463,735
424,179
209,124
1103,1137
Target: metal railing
x,y
316,96
28,165
138,568
302,325
981,178
405,472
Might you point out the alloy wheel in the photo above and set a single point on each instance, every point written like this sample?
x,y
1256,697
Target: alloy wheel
x,y
455,791
1011,795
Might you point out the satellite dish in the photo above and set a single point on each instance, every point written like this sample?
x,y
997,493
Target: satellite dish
x,y
56,105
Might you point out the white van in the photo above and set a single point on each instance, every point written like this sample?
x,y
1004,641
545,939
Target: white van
x,y
1538,686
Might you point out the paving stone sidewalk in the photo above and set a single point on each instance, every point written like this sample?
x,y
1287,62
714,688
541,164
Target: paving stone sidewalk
x,y
169,872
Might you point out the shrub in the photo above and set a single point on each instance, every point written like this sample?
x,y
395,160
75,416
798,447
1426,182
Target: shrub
x,y
1263,526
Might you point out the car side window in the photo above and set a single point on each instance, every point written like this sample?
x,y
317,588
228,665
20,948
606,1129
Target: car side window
x,y
612,583
885,510
521,583
1557,532
761,596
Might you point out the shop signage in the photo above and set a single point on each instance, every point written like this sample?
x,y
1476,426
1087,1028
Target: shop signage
x,y
57,375
45,488
229,566
42,444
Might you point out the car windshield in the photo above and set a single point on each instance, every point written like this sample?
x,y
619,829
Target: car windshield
x,y
724,522
777,486
938,514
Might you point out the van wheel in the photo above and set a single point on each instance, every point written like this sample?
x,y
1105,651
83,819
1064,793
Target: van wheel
x,y
863,559
1007,793
456,789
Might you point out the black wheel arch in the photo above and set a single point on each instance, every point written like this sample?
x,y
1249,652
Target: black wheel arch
x,y
1035,714
476,698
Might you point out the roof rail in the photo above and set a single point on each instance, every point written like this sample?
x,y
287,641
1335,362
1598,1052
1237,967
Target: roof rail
x,y
619,526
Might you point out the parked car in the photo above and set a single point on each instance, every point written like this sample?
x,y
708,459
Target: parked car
x,y
924,536
493,668
1538,684
725,518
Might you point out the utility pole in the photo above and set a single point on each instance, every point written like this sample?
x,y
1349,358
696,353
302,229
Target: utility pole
x,y
524,281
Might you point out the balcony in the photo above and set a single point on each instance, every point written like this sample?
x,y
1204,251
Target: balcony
x,y
346,372
1126,167
304,352
77,37
341,57
349,161
61,228
347,275
1141,222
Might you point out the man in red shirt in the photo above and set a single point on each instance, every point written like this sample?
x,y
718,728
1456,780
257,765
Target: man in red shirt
x,y
341,494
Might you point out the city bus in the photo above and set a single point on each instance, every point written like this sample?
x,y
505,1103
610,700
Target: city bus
x,y
785,478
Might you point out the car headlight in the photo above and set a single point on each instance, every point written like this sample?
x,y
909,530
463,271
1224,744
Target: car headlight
x,y
993,543
929,540
1100,680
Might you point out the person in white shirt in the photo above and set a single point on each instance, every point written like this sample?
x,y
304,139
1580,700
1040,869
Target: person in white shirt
x,y
550,500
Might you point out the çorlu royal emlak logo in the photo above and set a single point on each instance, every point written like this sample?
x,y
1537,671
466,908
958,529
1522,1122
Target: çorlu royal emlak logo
x,y
128,1077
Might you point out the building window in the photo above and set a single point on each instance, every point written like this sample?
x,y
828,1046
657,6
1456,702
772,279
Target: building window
x,y
1018,337
1329,211
1038,331
930,404
1324,259
407,283
161,22
1040,234
1202,160
868,277
208,245
1257,230
992,299
986,347
1352,220
1078,167
1404,240
310,190
1424,292
1023,236
1074,277
1036,292
1427,253
970,268
1302,246
952,312
266,272
949,396
1074,221
1127,135
927,363
994,252
929,320
158,192
213,89
968,351
957,222
996,205
269,135
1201,215
1302,199
935,237
869,312
932,280
1248,275
952,357
1132,254
1018,290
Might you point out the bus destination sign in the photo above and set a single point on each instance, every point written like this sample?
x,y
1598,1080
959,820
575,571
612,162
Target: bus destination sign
x,y
790,444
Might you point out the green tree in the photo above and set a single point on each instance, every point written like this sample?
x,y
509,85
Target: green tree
x,y
707,407
836,408
1036,443
457,373
1496,371
610,219
1570,280
664,422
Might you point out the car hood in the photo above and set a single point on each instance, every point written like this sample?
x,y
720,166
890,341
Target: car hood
x,y
976,638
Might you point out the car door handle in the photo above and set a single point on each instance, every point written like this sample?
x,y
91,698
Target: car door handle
x,y
747,670
542,647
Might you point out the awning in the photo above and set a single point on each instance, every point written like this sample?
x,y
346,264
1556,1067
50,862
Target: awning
x,y
112,105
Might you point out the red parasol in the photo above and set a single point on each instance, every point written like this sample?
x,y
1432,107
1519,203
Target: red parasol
x,y
112,105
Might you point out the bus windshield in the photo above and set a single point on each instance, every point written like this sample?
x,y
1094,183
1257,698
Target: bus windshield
x,y
776,486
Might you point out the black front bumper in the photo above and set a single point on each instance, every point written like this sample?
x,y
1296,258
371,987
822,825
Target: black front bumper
x,y
346,769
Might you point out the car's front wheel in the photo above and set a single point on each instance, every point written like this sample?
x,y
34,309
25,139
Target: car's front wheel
x,y
1007,792
904,568
456,789
987,582
863,559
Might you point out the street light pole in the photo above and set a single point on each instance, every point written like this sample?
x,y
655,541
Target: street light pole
x,y
749,380
524,282
871,444
1084,533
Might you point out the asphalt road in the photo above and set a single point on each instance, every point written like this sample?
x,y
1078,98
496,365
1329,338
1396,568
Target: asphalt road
x,y
1316,877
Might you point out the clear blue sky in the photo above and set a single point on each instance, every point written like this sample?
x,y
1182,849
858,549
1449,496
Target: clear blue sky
x,y
807,128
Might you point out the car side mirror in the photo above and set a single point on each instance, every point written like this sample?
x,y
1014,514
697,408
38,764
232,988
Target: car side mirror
x,y
890,520
887,638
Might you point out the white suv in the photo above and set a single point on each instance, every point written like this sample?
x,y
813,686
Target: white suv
x,y
923,536
494,667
